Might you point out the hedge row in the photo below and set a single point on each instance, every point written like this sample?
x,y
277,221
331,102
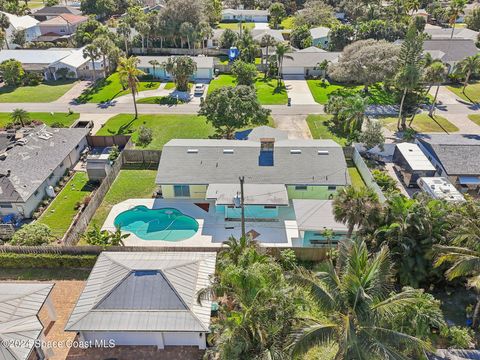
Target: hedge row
x,y
13,260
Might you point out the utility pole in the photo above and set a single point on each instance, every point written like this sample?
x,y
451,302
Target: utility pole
x,y
242,204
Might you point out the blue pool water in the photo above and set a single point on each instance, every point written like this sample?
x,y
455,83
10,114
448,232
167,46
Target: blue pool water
x,y
157,224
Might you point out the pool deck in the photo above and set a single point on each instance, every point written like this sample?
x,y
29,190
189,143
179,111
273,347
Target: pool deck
x,y
213,230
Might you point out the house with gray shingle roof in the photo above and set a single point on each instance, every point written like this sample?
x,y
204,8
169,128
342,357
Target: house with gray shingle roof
x,y
147,298
450,51
31,160
245,15
204,67
20,325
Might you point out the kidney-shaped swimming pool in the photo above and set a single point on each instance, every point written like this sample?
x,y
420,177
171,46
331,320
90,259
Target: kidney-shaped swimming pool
x,y
166,224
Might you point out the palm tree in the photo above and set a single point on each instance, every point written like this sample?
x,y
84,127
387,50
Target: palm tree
x,y
407,79
455,9
204,31
181,68
154,64
20,116
356,207
116,238
125,30
267,41
128,74
4,25
247,46
91,52
323,67
468,67
360,309
435,75
281,52
353,112
412,6
105,46
143,27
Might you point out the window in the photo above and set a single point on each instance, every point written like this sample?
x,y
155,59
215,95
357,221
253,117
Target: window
x,y
300,187
5,206
332,188
181,190
269,207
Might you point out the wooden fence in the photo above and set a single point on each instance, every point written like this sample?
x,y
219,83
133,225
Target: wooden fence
x,y
122,141
303,254
149,158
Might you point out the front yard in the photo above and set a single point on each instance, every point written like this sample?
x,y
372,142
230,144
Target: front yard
x,y
164,127
267,91
60,213
236,26
424,124
322,128
111,88
377,94
65,119
472,92
129,184
47,91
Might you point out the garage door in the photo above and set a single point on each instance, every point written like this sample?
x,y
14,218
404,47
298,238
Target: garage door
x,y
204,74
292,70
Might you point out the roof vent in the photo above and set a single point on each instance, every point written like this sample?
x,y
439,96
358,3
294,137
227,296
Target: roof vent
x,y
295,151
192,151
322,152
3,155
228,151
22,141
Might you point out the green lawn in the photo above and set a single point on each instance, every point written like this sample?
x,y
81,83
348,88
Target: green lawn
x,y
321,128
322,90
64,118
59,215
161,100
424,123
267,91
45,92
110,88
164,127
472,92
355,177
39,274
287,23
475,118
169,85
236,26
129,184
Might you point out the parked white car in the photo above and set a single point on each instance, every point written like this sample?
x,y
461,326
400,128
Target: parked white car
x,y
199,89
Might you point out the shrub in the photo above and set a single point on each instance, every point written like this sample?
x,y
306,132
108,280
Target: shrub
x,y
33,234
32,79
458,337
13,260
145,136
114,153
57,124
383,180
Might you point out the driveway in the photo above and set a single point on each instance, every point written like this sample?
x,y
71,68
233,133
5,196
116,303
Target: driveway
x,y
295,125
261,26
298,90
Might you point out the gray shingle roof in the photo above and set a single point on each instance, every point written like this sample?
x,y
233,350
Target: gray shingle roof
x,y
145,292
267,132
452,49
459,154
245,12
31,164
445,33
316,215
309,59
201,61
19,307
57,10
313,162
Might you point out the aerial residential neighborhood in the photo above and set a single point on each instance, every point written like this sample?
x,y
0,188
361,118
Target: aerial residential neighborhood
x,y
239,180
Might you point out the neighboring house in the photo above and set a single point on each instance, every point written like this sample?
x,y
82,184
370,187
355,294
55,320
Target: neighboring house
x,y
312,49
257,35
49,61
412,163
454,354
450,51
277,172
33,159
60,26
204,67
21,23
320,36
50,12
446,33
145,299
245,15
455,157
26,310
302,63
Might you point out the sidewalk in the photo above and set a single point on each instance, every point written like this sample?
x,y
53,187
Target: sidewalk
x,y
73,93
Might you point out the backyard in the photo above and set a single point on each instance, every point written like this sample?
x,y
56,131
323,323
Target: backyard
x,y
65,119
45,92
267,91
377,94
111,88
322,128
472,91
60,213
129,184
423,123
355,177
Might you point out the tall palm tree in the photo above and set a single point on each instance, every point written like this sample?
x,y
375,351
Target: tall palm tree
x,y
323,67
154,64
91,52
128,74
4,25
468,67
247,46
353,112
205,32
360,308
356,207
435,75
267,41
20,116
105,45
455,9
125,30
281,52
412,6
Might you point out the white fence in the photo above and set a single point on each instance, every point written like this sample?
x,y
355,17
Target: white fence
x,y
367,175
